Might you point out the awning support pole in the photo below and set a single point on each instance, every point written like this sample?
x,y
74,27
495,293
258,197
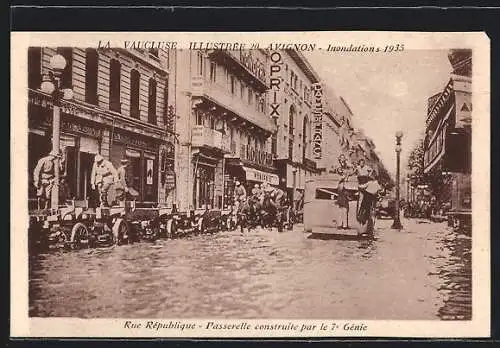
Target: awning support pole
x,y
223,181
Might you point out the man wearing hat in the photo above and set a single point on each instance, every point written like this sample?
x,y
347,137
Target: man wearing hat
x,y
123,185
44,176
103,176
277,196
240,194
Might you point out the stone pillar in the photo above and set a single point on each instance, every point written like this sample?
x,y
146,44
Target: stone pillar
x,y
218,188
105,143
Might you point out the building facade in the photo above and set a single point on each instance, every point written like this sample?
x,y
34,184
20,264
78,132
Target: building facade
x,y
447,143
121,108
293,88
223,125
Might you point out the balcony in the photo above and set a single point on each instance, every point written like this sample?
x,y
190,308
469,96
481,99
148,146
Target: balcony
x,y
209,138
251,67
256,156
219,95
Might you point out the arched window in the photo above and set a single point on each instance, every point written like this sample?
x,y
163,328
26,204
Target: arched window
x,y
135,82
67,74
114,85
34,67
152,101
91,65
291,119
306,133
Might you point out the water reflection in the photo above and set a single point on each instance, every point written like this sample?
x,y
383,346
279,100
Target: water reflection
x,y
260,274
456,277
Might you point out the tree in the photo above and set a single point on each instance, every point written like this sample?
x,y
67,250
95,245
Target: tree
x,y
416,163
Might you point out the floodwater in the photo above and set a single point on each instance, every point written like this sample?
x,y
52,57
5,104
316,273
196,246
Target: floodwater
x,y
422,272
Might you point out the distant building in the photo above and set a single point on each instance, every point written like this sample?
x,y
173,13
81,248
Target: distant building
x,y
447,144
333,131
293,91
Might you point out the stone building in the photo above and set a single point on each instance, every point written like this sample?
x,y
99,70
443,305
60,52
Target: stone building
x,y
293,89
448,138
223,125
121,108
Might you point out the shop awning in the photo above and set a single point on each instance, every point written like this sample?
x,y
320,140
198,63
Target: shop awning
x,y
258,175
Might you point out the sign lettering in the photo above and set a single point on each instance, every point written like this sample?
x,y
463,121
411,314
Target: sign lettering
x,y
275,82
123,138
79,128
257,175
317,112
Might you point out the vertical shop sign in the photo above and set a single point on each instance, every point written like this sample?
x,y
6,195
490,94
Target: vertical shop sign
x,y
317,120
275,82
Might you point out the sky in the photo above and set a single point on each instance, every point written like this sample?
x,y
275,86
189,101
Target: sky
x,y
386,93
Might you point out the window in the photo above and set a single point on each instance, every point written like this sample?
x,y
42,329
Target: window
x,y
66,76
213,71
305,137
291,118
250,96
135,82
34,67
167,111
233,84
91,65
114,85
200,63
261,105
242,90
154,52
274,144
199,117
292,74
152,101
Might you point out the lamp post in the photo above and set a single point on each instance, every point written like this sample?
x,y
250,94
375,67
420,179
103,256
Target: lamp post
x,y
51,85
397,222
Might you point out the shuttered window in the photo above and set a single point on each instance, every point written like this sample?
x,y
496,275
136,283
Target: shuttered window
x,y
152,101
114,85
135,78
91,64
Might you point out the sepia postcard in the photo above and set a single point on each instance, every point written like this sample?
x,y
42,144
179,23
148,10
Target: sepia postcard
x,y
250,185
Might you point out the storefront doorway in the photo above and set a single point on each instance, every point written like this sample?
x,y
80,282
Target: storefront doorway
x,y
79,153
204,186
142,170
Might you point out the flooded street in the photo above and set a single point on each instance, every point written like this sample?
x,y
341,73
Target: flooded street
x,y
420,273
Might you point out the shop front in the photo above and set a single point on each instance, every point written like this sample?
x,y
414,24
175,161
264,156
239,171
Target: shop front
x,y
80,141
142,154
167,174
293,176
248,176
207,181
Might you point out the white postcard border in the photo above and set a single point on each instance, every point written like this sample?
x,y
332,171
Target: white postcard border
x,y
479,326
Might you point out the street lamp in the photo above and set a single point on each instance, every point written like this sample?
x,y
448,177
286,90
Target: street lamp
x,y
51,85
397,222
